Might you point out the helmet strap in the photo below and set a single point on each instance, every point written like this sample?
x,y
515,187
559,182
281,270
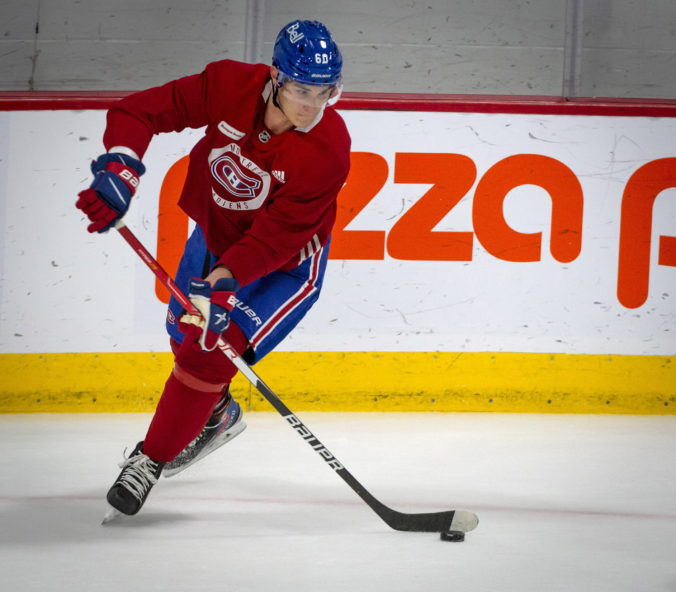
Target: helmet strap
x,y
275,92
275,101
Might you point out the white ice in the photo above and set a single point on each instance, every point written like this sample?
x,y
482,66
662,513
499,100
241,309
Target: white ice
x,y
566,502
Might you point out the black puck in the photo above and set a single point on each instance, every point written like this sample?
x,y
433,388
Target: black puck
x,y
454,536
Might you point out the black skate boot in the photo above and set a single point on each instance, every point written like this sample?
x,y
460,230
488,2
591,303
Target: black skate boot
x,y
139,474
224,424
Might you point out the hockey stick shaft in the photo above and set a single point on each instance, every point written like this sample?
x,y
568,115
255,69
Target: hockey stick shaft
x,y
425,522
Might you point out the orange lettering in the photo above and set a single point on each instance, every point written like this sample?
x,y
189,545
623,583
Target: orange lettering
x,y
172,223
505,243
368,174
638,199
412,237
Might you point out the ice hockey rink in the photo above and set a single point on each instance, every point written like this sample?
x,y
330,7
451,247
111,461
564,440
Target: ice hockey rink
x,y
565,502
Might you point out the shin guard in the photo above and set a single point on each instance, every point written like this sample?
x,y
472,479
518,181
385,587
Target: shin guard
x,y
196,385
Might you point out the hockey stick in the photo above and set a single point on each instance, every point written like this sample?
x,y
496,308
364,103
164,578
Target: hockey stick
x,y
459,520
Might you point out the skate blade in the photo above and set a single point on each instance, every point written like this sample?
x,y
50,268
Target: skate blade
x,y
110,515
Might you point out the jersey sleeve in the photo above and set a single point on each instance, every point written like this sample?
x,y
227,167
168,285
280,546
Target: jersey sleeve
x,y
172,107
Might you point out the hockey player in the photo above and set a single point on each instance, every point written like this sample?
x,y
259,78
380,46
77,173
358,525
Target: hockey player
x,y
261,187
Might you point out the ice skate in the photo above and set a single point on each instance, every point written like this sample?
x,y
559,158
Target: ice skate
x,y
130,490
224,424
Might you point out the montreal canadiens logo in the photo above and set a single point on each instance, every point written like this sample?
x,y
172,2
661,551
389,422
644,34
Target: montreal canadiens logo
x,y
227,173
238,183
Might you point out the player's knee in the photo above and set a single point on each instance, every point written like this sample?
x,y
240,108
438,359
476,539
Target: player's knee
x,y
197,383
211,368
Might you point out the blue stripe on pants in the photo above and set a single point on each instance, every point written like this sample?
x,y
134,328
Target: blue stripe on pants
x,y
268,309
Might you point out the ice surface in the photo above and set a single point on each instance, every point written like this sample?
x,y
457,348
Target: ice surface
x,y
566,502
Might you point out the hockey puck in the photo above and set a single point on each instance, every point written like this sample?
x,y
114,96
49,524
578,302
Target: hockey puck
x,y
454,536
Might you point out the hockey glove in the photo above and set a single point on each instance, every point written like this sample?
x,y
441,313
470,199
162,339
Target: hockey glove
x,y
116,177
215,304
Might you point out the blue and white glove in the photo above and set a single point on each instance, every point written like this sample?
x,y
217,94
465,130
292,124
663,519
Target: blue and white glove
x,y
116,177
215,304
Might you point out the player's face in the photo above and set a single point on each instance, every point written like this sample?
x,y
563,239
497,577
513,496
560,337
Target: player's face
x,y
302,102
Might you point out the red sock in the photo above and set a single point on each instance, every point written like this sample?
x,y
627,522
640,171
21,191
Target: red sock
x,y
183,410
178,420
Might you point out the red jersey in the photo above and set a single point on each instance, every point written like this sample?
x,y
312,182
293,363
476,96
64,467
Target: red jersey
x,y
264,201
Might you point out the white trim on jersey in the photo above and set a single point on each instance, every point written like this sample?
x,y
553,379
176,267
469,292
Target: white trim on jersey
x,y
288,307
123,150
310,249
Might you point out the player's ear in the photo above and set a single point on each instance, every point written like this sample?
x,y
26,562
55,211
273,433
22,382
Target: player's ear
x,y
274,72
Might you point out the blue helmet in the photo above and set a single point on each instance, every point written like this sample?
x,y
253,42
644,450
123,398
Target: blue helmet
x,y
306,52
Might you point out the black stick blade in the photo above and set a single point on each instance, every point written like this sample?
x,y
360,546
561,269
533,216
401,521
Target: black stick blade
x,y
429,522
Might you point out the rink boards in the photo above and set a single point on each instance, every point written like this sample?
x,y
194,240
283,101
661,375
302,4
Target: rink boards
x,y
356,381
481,261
